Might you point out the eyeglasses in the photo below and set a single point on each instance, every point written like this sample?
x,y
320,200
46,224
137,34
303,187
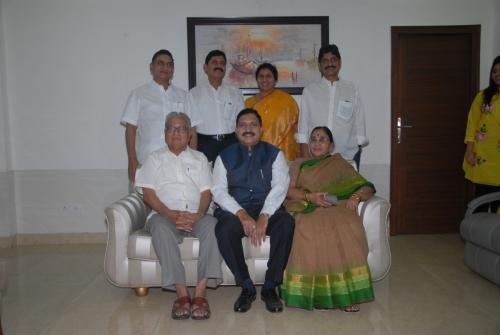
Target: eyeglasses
x,y
179,130
321,139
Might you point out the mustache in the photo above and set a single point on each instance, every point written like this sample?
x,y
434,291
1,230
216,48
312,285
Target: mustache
x,y
219,69
248,133
330,67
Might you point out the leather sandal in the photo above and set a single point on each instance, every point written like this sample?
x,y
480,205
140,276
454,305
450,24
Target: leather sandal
x,y
200,304
181,309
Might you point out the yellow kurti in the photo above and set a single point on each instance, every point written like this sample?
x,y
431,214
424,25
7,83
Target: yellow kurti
x,y
483,128
280,115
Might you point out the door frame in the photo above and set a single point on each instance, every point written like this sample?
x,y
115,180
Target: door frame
x,y
396,32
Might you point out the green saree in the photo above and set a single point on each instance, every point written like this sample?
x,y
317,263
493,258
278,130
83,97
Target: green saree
x,y
327,267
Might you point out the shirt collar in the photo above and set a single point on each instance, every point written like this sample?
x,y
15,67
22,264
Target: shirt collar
x,y
244,148
214,89
186,151
159,87
328,83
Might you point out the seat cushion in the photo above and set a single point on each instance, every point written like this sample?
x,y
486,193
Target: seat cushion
x,y
482,229
140,247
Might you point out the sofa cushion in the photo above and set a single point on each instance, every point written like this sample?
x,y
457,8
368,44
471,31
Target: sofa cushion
x,y
140,247
482,229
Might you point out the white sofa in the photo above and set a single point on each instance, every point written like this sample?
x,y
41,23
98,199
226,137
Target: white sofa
x,y
130,260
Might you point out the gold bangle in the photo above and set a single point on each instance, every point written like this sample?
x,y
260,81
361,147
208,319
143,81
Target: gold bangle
x,y
356,196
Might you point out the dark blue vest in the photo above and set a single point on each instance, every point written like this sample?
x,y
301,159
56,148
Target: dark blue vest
x,y
249,173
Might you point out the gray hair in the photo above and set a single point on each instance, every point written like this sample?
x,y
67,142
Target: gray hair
x,y
173,115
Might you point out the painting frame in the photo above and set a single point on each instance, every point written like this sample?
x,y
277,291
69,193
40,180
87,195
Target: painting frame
x,y
237,71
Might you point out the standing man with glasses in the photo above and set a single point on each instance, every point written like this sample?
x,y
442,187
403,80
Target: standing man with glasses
x,y
176,183
146,109
213,108
336,103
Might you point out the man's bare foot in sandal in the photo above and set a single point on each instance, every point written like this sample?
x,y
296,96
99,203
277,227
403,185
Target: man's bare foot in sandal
x,y
200,310
181,309
352,309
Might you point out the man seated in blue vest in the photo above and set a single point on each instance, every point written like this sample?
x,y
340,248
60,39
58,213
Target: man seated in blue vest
x,y
250,182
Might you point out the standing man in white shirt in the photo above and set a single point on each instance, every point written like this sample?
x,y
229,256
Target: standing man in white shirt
x,y
146,110
250,183
335,103
212,108
176,183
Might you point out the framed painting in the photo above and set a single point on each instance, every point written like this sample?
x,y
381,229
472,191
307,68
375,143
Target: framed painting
x,y
290,43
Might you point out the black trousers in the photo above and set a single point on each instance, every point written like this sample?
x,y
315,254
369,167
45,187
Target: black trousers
x,y
211,146
229,232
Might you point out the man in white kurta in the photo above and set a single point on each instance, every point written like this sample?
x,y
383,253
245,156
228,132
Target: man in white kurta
x,y
335,103
146,109
213,107
176,183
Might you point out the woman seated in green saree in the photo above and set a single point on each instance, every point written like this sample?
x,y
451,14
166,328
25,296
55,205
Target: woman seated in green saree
x,y
327,267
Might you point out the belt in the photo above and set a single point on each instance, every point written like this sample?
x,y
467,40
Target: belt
x,y
218,137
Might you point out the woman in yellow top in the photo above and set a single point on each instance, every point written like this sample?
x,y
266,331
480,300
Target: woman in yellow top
x,y
482,137
278,110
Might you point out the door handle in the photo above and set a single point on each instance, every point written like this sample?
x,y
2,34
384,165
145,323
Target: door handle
x,y
399,126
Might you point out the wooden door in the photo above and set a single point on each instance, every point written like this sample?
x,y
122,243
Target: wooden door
x,y
434,80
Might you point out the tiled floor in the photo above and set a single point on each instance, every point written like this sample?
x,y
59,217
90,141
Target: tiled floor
x,y
63,290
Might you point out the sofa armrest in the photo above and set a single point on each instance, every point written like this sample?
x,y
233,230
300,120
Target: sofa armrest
x,y
123,217
375,215
484,199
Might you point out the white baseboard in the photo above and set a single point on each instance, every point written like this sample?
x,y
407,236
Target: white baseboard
x,y
52,239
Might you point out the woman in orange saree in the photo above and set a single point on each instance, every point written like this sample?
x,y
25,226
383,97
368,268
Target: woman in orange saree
x,y
278,110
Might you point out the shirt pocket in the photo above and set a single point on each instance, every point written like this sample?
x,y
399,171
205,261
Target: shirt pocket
x,y
193,173
345,110
229,108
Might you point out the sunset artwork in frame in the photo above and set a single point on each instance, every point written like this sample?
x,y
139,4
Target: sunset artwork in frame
x,y
289,43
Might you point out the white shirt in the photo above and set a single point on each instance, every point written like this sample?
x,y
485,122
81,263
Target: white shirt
x,y
337,106
178,180
279,187
147,108
213,111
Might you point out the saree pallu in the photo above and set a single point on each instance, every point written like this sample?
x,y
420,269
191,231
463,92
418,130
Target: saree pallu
x,y
280,114
327,267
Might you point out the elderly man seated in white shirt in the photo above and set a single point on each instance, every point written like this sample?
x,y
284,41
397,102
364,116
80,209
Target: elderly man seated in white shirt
x,y
176,183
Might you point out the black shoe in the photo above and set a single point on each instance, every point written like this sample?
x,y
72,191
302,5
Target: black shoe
x,y
273,302
244,301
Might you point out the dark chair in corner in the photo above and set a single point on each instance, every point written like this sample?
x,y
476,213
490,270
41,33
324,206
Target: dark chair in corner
x,y
481,232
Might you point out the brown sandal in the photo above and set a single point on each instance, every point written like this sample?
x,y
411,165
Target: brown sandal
x,y
200,304
182,305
